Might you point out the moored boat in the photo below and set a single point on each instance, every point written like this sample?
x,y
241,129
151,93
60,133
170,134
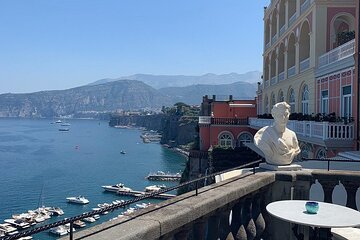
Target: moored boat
x,y
89,219
8,229
59,230
79,200
154,188
116,188
79,224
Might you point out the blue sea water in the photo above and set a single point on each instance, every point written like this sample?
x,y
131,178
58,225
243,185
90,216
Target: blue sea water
x,y
40,165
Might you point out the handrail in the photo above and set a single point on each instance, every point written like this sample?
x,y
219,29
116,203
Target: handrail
x,y
112,207
329,160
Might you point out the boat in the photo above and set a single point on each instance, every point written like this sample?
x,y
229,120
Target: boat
x,y
64,124
154,188
122,152
79,200
96,216
25,238
64,129
89,219
162,176
142,205
8,229
58,121
18,223
116,188
79,224
59,230
56,211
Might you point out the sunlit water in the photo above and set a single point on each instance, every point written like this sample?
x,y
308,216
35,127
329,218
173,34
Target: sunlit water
x,y
40,165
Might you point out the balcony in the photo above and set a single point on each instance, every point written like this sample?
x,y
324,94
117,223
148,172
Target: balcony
x,y
267,45
204,213
292,19
281,76
282,30
222,121
337,54
273,39
273,81
305,64
267,83
291,71
304,6
319,130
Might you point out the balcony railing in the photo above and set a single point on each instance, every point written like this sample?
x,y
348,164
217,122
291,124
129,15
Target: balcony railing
x,y
267,45
204,213
320,130
281,76
273,81
204,120
223,121
267,83
291,71
273,39
282,30
304,6
341,52
292,19
305,64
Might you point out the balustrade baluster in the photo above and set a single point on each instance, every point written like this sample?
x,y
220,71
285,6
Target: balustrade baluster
x,y
250,225
225,230
257,216
199,229
351,188
238,222
213,227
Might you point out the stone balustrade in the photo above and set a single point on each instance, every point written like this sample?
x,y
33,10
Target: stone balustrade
x,y
242,198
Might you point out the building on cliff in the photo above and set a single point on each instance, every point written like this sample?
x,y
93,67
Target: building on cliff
x,y
309,62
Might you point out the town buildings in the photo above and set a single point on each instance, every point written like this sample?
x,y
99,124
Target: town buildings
x,y
309,61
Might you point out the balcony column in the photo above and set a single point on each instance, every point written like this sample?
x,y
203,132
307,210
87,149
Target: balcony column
x,y
298,8
269,69
287,14
328,186
277,68
270,30
285,64
278,22
312,49
297,58
351,188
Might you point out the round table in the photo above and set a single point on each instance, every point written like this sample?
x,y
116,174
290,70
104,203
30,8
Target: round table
x,y
329,215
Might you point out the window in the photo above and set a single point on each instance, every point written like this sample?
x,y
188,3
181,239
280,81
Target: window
x,y
292,100
346,102
244,138
305,151
325,101
305,100
281,96
321,153
225,140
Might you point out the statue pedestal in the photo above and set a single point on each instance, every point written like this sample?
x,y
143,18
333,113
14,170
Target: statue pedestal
x,y
291,167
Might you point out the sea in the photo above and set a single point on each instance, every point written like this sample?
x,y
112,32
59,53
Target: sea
x,y
41,166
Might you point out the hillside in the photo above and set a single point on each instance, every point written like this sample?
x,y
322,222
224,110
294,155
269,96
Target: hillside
x,y
163,81
193,94
80,101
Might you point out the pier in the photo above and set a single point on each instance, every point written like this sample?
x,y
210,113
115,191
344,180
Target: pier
x,y
139,193
161,176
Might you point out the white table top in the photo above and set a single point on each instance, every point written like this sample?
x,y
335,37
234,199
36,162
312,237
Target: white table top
x,y
328,216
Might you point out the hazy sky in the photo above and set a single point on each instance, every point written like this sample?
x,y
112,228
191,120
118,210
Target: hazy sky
x,y
59,44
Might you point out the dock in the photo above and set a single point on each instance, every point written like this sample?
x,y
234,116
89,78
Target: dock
x,y
139,194
161,176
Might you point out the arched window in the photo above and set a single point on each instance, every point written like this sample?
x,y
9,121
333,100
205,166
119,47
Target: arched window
x,y
272,101
244,138
305,100
321,153
281,96
225,140
305,151
292,100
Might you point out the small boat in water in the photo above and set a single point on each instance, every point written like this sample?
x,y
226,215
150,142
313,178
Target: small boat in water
x,y
64,124
8,229
122,152
18,223
58,121
79,200
154,188
89,219
116,188
59,230
64,129
79,224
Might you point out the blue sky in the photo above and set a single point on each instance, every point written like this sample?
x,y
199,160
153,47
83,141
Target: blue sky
x,y
59,44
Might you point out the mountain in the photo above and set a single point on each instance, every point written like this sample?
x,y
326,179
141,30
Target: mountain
x,y
162,81
80,101
193,94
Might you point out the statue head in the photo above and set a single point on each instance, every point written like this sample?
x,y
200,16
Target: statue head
x,y
280,113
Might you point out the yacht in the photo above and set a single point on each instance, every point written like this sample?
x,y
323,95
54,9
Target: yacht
x,y
78,200
116,188
154,188
8,229
58,121
79,224
122,152
59,230
89,219
56,211
18,223
96,217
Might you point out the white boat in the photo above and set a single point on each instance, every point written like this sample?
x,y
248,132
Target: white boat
x,y
64,129
79,224
56,211
154,188
78,200
25,238
8,229
96,217
59,230
142,205
58,121
116,188
18,223
65,124
89,219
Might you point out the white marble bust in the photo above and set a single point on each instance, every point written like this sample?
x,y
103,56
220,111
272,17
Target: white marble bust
x,y
278,143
